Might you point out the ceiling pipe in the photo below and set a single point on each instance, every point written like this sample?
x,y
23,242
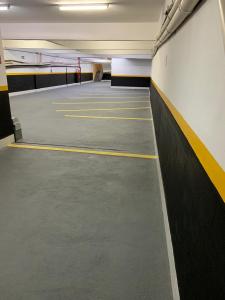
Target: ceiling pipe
x,y
180,10
222,14
170,15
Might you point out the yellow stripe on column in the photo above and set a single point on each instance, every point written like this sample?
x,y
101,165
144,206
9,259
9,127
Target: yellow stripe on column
x,y
3,88
211,166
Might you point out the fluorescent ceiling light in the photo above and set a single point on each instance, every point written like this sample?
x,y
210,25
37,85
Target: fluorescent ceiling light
x,y
80,7
4,7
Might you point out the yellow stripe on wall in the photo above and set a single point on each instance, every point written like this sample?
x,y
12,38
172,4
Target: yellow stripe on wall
x,y
211,166
3,88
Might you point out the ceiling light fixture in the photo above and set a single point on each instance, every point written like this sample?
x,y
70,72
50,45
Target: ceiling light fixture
x,y
4,7
83,7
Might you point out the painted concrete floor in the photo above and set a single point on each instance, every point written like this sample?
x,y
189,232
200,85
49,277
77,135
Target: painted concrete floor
x,y
81,226
42,124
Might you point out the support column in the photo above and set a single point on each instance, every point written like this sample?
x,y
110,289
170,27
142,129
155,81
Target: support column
x,y
6,125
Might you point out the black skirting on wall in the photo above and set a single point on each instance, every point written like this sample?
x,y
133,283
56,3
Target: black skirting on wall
x,y
196,211
86,77
17,83
106,76
71,78
130,81
23,82
6,125
49,80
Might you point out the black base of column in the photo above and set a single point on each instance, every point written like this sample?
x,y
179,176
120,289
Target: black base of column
x,y
6,125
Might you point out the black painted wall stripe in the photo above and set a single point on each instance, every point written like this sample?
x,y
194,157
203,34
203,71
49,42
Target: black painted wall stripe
x,y
6,126
86,77
106,76
21,83
196,211
24,82
43,81
211,166
130,81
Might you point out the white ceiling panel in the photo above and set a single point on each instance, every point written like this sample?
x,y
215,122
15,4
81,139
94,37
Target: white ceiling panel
x,y
46,11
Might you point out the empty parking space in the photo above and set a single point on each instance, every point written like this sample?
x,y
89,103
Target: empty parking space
x,y
83,217
92,115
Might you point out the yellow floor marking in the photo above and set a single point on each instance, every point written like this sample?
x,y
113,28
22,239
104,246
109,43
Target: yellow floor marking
x,y
105,109
89,151
99,102
114,118
119,97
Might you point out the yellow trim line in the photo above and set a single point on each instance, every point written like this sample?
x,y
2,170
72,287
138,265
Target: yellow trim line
x,y
211,166
99,102
110,97
4,88
83,151
133,95
113,118
101,109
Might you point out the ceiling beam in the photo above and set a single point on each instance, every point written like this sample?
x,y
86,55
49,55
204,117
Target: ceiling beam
x,y
81,31
106,45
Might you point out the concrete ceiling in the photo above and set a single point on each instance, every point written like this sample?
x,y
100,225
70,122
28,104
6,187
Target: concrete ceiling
x,y
81,31
87,49
46,11
127,29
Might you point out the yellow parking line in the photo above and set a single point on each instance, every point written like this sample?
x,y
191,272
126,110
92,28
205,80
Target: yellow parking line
x,y
104,109
113,118
119,97
99,102
116,95
83,151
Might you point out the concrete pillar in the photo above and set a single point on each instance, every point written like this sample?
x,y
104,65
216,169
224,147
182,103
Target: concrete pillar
x,y
6,125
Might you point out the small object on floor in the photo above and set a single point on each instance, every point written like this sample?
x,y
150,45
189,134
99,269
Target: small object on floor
x,y
17,129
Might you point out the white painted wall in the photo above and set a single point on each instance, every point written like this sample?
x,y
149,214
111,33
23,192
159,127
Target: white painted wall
x,y
21,56
87,68
190,70
107,67
3,80
128,66
34,58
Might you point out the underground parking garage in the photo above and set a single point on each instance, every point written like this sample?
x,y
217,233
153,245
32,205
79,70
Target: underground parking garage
x,y
112,150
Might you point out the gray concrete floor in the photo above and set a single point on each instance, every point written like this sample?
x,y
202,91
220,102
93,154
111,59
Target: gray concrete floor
x,y
77,226
41,123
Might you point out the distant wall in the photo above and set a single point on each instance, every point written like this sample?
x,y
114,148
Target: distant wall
x,y
35,58
106,71
131,72
6,126
34,77
188,104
